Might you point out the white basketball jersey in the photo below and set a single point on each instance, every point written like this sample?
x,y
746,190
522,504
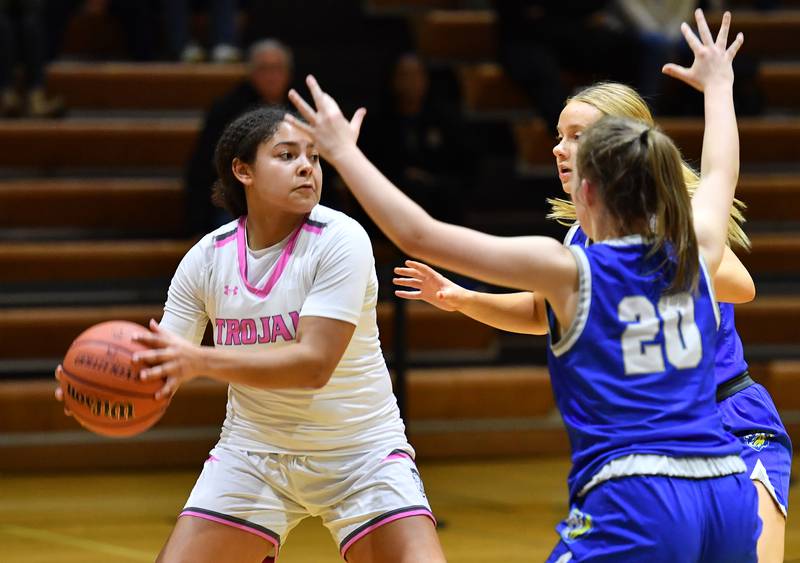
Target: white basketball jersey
x,y
254,301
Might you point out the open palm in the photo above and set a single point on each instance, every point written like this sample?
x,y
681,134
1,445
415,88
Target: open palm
x,y
712,59
429,286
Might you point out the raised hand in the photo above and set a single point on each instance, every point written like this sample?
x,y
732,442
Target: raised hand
x,y
331,131
712,59
429,285
170,357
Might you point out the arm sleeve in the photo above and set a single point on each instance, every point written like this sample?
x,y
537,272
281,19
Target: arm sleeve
x,y
343,272
185,312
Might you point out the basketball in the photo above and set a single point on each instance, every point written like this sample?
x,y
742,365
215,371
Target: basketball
x,y
102,388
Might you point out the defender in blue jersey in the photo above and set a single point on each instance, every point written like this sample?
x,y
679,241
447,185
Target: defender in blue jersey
x,y
631,379
747,409
656,477
749,413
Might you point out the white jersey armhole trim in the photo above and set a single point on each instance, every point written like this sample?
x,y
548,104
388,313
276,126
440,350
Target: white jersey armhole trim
x,y
571,233
710,286
584,303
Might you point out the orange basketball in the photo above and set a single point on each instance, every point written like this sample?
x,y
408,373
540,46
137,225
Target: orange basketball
x,y
101,386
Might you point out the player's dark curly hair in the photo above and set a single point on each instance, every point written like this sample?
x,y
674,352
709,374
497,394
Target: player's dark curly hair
x,y
241,140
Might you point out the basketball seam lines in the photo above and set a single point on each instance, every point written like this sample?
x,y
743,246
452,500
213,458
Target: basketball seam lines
x,y
105,343
135,394
125,424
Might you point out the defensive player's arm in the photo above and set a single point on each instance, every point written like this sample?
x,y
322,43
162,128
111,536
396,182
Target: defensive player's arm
x,y
712,73
521,312
732,282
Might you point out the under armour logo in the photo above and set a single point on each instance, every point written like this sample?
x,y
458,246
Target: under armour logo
x,y
231,290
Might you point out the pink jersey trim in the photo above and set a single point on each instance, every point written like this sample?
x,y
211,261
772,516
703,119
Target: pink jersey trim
x,y
398,455
279,267
312,229
212,458
391,518
223,242
233,525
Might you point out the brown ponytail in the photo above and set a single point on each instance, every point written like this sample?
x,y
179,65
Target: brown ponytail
x,y
639,175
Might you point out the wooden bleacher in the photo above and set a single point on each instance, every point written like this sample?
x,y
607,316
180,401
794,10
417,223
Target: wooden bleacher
x,y
165,143
145,206
61,261
471,35
102,143
453,412
111,260
762,140
487,88
96,200
46,332
771,197
119,85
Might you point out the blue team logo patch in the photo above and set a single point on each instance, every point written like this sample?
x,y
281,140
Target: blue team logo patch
x,y
758,441
577,525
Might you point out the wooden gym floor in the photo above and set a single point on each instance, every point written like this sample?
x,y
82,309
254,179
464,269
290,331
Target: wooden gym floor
x,y
492,511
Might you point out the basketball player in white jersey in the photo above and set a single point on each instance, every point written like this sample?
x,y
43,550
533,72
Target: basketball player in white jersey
x,y
312,426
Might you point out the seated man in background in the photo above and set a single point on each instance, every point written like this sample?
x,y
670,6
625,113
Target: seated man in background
x,y
271,63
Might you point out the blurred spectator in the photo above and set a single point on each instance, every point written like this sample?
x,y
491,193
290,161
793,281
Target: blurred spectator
x,y
540,38
138,20
141,23
417,140
222,20
104,19
23,41
279,19
669,97
270,64
657,25
719,5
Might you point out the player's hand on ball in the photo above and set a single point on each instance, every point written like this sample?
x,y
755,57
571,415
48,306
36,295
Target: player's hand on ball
x,y
59,392
170,357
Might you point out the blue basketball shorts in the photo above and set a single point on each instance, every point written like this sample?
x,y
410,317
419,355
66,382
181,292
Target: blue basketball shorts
x,y
751,416
663,520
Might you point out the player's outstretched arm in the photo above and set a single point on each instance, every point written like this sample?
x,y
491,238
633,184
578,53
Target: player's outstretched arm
x,y
513,312
712,73
528,263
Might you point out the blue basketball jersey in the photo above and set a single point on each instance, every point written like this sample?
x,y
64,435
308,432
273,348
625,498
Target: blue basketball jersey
x,y
729,361
632,374
575,235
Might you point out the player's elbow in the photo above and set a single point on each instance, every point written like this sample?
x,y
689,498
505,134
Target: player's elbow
x,y
749,293
318,372
319,378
